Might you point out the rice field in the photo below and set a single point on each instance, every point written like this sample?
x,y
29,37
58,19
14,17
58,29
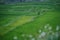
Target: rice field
x,y
29,22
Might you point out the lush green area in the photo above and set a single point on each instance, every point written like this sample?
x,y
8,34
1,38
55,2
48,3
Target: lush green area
x,y
23,20
25,9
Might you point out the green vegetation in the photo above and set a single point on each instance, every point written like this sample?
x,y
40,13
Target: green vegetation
x,y
24,20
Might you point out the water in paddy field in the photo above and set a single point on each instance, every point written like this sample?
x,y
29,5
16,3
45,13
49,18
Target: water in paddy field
x,y
30,20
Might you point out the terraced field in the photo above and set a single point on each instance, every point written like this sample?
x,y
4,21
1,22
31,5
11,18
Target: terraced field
x,y
29,22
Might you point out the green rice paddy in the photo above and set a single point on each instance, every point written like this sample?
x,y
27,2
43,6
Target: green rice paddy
x,y
23,20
